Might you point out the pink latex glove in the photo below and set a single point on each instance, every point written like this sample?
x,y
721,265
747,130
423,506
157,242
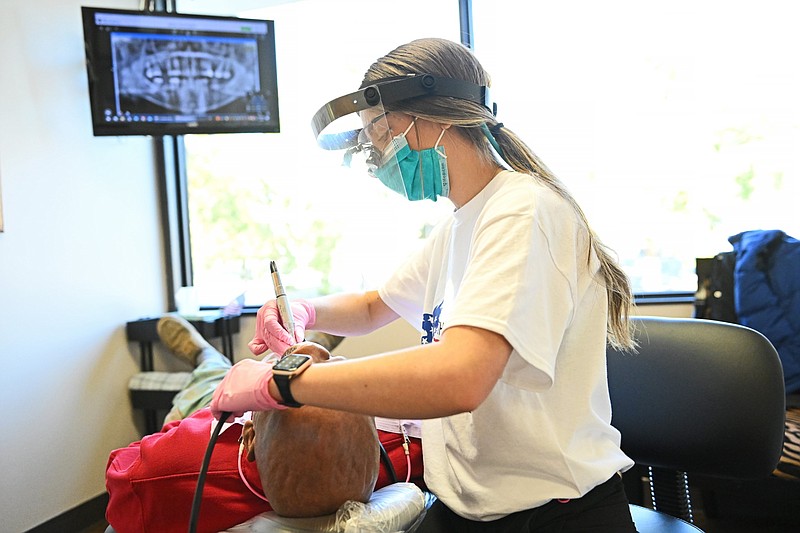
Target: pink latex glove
x,y
271,334
245,388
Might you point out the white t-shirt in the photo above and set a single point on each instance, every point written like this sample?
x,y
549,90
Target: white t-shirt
x,y
515,260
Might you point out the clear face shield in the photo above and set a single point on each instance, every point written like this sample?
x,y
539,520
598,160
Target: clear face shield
x,y
358,128
356,123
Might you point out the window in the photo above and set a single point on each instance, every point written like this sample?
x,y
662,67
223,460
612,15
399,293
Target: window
x,y
260,197
675,124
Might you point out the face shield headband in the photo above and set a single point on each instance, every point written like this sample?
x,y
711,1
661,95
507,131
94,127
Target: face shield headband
x,y
331,132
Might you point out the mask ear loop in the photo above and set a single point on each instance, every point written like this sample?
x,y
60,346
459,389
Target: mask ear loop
x,y
436,146
421,171
244,479
409,128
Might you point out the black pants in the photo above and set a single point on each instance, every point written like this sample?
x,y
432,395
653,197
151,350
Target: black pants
x,y
602,509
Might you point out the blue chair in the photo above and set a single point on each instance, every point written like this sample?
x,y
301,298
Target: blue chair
x,y
700,397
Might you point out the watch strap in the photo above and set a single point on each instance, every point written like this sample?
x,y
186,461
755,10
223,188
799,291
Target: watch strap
x,y
282,381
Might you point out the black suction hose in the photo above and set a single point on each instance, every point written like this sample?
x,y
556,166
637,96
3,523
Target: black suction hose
x,y
388,462
201,477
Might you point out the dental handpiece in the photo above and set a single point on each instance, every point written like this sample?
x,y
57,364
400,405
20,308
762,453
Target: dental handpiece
x,y
284,307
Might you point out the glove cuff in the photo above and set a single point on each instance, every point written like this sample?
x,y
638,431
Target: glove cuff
x,y
265,400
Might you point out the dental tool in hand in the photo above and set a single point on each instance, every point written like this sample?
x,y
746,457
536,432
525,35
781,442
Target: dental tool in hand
x,y
284,307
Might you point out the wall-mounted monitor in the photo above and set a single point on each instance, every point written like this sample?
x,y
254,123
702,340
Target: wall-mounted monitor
x,y
156,73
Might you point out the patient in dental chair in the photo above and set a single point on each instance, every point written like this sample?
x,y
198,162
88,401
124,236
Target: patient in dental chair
x,y
308,461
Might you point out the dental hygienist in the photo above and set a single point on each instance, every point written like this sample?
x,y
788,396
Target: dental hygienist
x,y
515,297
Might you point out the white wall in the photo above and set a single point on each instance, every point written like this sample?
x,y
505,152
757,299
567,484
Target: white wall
x,y
80,256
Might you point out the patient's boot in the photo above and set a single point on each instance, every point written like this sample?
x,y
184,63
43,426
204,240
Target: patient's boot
x,y
181,338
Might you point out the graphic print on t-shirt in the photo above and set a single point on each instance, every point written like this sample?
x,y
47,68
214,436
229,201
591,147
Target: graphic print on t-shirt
x,y
431,325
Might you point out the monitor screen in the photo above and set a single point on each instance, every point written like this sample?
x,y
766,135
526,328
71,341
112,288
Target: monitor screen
x,y
156,73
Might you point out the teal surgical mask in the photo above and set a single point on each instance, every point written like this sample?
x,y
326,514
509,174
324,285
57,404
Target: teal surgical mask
x,y
415,174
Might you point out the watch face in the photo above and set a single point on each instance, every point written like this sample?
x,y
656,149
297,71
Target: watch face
x,y
290,364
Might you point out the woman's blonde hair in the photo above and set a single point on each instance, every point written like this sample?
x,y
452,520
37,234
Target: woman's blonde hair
x,y
445,58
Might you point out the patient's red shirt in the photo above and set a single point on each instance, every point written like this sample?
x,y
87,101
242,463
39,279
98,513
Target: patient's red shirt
x,y
151,483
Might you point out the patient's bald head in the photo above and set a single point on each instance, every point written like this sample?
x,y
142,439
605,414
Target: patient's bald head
x,y
312,460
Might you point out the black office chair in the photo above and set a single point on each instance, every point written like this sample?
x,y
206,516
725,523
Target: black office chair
x,y
699,397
